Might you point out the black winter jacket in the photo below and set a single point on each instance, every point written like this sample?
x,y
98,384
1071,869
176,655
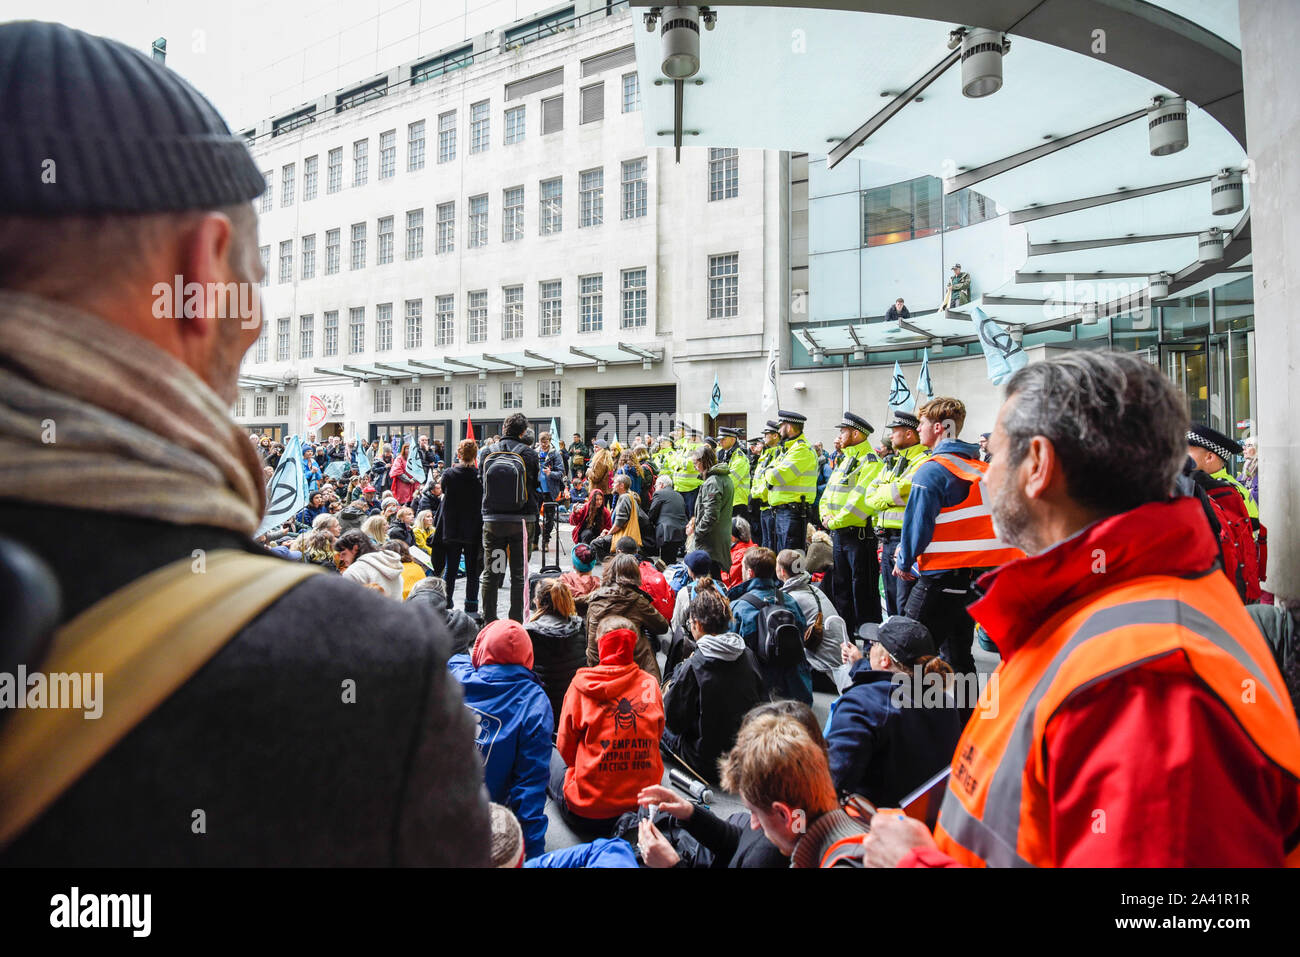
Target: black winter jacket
x,y
559,650
460,518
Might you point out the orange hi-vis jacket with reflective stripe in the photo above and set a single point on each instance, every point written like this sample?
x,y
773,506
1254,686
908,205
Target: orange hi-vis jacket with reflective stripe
x,y
963,533
997,811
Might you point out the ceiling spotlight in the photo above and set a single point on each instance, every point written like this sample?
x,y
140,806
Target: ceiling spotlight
x,y
258,390
645,364
482,374
818,355
446,377
280,388
680,39
559,369
936,347
415,380
710,17
1209,245
1227,195
981,61
859,355
519,373
1158,285
1088,315
1167,125
385,381
600,367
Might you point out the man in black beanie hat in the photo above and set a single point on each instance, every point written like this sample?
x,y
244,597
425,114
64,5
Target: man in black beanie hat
x,y
247,728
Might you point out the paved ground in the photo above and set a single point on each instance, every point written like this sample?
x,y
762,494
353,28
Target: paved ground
x,y
724,804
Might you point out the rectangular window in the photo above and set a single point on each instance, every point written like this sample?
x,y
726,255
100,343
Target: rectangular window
x,y
383,400
261,355
331,345
241,407
446,227
264,253
477,313
724,280
281,405
724,173
441,398
631,93
549,308
387,154
360,162
384,327
385,251
265,205
286,185
590,303
306,337
479,127
286,261
332,241
512,394
282,339
309,256
548,393
553,114
592,194
516,119
592,103
334,180
634,188
415,146
259,407
447,137
414,233
356,330
551,205
634,308
512,214
309,178
444,320
358,245
414,323
478,222
476,395
512,312
412,398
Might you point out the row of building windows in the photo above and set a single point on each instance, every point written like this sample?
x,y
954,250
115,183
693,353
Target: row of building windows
x,y
512,396
259,407
592,100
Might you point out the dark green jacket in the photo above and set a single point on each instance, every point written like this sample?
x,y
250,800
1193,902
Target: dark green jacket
x,y
713,515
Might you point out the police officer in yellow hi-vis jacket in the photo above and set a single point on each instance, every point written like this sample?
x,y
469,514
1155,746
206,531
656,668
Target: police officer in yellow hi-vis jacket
x,y
855,575
732,453
790,483
887,498
759,505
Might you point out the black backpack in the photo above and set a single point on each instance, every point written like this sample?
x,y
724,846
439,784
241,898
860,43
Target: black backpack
x,y
780,640
505,482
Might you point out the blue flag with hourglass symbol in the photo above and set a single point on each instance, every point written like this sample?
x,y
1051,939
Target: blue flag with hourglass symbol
x,y
923,384
715,398
1002,353
286,493
900,393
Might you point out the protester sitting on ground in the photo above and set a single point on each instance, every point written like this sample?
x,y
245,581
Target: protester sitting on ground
x,y
759,588
896,726
412,570
581,582
620,594
737,841
607,738
624,521
422,529
318,549
432,592
668,518
653,582
515,723
742,540
600,853
590,520
400,526
350,546
381,567
698,566
559,639
713,689
376,529
827,627
315,506
508,851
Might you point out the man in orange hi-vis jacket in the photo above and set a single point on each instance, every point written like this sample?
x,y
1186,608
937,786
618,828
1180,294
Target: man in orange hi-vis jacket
x,y
1138,718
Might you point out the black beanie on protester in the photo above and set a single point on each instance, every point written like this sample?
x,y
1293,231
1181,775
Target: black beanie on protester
x,y
89,125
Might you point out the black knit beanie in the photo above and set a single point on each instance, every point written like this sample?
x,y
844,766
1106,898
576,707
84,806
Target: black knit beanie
x,y
124,134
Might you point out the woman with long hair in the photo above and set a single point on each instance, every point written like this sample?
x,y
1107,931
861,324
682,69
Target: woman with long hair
x,y
559,639
590,519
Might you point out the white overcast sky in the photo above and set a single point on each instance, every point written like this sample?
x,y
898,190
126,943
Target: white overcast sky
x,y
254,58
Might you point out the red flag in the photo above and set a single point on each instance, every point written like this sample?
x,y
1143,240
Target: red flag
x,y
469,427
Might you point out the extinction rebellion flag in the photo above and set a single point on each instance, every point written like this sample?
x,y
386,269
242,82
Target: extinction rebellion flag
x,y
286,493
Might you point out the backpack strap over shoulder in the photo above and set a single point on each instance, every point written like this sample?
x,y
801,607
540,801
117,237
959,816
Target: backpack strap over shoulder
x,y
145,640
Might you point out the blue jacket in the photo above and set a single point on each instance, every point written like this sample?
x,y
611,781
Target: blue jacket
x,y
550,471
605,852
793,682
933,488
882,750
513,728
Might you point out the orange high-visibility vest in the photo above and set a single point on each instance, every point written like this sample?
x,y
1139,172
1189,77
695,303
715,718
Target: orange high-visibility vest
x,y
963,533
996,811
